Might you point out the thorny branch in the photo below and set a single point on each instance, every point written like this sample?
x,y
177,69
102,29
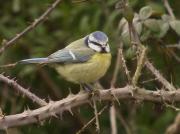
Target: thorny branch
x,y
169,9
93,119
22,90
125,66
53,108
140,65
159,77
30,27
112,110
58,107
174,128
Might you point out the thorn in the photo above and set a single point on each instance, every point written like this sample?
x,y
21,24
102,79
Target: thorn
x,y
28,110
70,110
17,34
41,123
70,94
54,115
3,73
115,98
1,114
81,92
90,103
13,79
50,100
4,41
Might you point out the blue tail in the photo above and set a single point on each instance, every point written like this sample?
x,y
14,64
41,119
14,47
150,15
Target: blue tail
x,y
33,60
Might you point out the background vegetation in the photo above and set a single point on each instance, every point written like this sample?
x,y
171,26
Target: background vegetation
x,y
72,20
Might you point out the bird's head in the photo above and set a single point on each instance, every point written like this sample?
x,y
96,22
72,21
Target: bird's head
x,y
98,41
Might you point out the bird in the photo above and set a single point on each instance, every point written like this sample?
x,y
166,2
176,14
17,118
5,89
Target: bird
x,y
83,61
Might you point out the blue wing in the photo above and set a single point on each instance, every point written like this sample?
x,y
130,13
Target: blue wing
x,y
63,56
71,55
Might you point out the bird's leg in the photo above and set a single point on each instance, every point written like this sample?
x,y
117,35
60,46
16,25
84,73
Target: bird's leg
x,y
87,87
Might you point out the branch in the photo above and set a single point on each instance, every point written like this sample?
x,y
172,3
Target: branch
x,y
175,127
169,9
123,121
93,119
125,66
112,112
159,77
30,27
22,90
113,120
116,69
72,101
140,65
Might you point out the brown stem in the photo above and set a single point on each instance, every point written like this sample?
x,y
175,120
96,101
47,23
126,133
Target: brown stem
x,y
22,90
30,27
159,77
53,108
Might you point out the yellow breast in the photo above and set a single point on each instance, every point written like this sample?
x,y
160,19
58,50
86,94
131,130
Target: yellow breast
x,y
86,72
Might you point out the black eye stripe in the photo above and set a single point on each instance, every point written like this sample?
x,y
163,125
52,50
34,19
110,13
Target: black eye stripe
x,y
95,43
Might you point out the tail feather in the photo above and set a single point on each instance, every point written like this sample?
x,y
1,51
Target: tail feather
x,y
33,60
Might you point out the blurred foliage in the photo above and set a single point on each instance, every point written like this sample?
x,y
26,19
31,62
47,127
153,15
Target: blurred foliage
x,y
73,20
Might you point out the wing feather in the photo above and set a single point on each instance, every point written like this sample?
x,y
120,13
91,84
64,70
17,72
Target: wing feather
x,y
71,55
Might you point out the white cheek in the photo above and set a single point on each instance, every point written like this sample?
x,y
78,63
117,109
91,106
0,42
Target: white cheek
x,y
107,48
95,47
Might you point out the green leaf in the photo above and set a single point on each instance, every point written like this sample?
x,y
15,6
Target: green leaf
x,y
130,53
126,38
175,25
164,27
122,24
145,12
145,34
166,17
152,24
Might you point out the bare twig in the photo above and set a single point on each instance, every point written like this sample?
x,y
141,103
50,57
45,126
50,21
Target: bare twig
x,y
140,65
112,111
9,65
113,120
160,78
30,27
71,101
174,46
175,127
93,119
22,90
124,66
146,81
169,9
175,56
124,123
96,115
79,1
116,70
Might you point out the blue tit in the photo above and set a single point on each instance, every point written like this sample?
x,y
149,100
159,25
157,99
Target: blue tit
x,y
83,61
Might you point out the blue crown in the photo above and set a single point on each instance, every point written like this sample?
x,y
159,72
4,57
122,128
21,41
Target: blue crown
x,y
100,36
